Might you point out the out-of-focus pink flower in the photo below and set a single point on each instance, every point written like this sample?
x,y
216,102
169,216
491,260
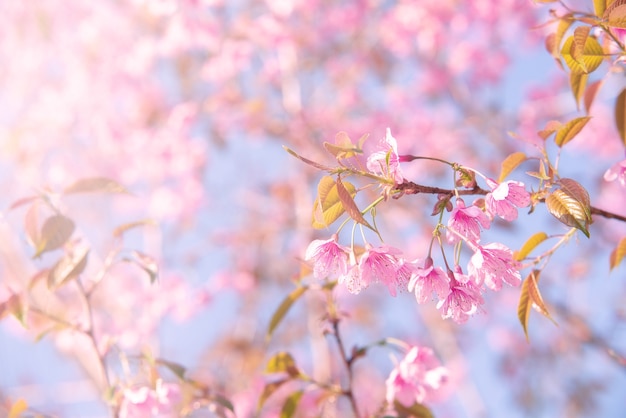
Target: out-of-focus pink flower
x,y
617,172
466,222
145,402
380,264
504,197
427,280
384,159
416,378
328,256
492,264
352,279
463,300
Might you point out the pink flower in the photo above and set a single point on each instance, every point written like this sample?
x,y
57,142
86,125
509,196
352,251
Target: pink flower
x,y
466,222
493,264
329,258
381,264
385,161
427,280
504,197
463,300
617,172
352,278
144,402
416,378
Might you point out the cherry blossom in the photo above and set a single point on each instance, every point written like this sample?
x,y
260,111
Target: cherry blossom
x,y
352,279
384,159
381,264
427,280
466,222
492,264
617,172
504,198
416,377
463,300
144,401
328,256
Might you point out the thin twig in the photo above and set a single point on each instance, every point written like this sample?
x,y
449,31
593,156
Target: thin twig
x,y
348,363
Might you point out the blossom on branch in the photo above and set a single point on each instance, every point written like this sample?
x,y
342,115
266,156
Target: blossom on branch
x,y
466,222
617,172
384,159
328,256
381,264
427,280
492,264
504,198
416,378
161,401
463,300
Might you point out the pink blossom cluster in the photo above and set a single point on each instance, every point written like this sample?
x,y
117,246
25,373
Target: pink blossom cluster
x,y
143,402
459,294
416,378
383,264
379,158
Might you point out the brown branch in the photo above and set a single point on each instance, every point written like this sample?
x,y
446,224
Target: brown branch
x,y
608,215
408,187
348,364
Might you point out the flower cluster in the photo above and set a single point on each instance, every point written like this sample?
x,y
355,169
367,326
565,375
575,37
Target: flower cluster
x,y
160,401
459,295
416,377
383,264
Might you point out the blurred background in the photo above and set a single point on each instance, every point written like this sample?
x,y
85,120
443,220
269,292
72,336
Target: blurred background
x,y
188,103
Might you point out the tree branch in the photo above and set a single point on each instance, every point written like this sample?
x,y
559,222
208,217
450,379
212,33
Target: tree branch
x,y
409,187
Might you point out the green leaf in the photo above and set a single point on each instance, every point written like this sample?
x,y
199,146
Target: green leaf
x,y
343,146
268,390
524,304
146,263
599,6
23,201
348,204
125,227
18,408
615,14
590,94
291,404
284,308
617,255
553,41
567,132
16,306
67,268
328,206
582,59
576,190
570,205
282,362
178,370
578,82
95,185
223,402
551,127
530,297
416,410
581,33
530,245
620,115
306,160
31,224
510,163
55,232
